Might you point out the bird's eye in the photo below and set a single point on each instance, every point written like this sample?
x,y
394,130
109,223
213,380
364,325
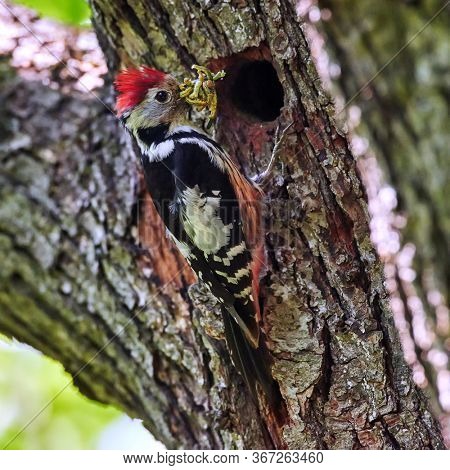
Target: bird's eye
x,y
162,96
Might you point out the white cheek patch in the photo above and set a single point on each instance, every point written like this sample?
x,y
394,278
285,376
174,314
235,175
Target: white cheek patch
x,y
158,152
202,221
164,149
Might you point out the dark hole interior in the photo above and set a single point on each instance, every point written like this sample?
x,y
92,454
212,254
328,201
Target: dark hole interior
x,y
257,91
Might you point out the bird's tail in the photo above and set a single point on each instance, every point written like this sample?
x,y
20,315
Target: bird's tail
x,y
252,363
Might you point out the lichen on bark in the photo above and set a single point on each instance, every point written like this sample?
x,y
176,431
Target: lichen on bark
x,y
335,351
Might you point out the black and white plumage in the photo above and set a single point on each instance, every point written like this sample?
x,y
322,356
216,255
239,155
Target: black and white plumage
x,y
201,211
210,209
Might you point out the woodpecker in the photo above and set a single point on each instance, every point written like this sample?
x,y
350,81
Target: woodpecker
x,y
210,209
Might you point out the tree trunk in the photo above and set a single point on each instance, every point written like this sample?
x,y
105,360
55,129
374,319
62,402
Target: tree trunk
x,y
393,63
405,111
86,269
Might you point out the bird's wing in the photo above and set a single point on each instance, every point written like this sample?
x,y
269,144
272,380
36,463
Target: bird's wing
x,y
211,233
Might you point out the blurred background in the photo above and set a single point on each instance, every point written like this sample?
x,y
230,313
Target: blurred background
x,y
51,41
28,379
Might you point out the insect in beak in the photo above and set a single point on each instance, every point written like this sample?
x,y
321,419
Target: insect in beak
x,y
201,91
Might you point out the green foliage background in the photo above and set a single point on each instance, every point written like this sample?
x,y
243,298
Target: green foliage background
x,y
28,381
74,12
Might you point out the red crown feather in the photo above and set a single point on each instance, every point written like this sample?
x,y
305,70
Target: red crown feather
x,y
133,84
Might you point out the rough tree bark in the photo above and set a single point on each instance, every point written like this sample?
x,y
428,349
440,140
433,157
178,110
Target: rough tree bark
x,y
405,112
405,119
80,272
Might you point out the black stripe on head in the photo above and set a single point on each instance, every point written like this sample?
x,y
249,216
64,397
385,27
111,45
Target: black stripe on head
x,y
153,135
